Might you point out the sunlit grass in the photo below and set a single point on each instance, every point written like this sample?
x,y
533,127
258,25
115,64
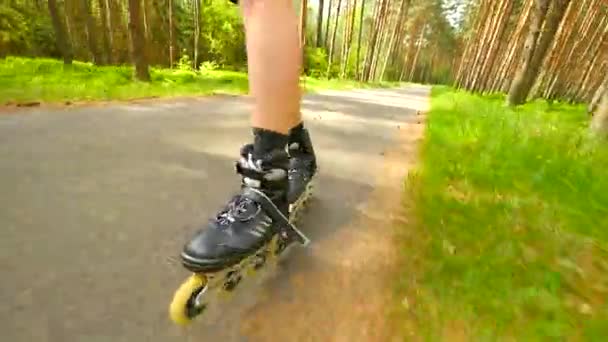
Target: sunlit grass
x,y
514,203
47,80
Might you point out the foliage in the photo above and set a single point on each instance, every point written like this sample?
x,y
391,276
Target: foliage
x,y
315,61
26,30
223,34
22,31
25,80
513,203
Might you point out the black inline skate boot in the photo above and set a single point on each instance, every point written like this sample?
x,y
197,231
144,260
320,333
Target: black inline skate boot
x,y
250,220
302,168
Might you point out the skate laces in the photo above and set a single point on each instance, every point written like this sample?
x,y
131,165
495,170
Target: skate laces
x,y
239,208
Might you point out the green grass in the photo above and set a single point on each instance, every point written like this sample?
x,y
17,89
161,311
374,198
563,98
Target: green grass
x,y
511,211
46,80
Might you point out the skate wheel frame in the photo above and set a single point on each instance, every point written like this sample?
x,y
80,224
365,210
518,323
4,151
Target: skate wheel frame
x,y
189,299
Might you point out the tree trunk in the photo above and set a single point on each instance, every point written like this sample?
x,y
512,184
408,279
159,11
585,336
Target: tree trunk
x,y
496,40
105,34
467,61
401,18
555,56
601,91
373,41
418,49
358,67
110,22
327,21
138,44
599,123
380,42
348,39
333,39
145,16
554,19
62,40
590,56
171,46
319,41
91,38
512,51
409,48
521,83
482,46
197,31
564,72
303,21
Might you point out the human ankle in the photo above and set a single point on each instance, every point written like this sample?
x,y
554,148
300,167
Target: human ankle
x,y
265,141
296,134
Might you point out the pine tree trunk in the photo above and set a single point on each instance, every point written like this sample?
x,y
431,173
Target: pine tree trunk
x,y
105,32
418,49
481,51
520,86
373,41
572,45
138,44
62,40
91,38
409,49
358,67
401,18
333,40
171,46
197,31
319,41
553,22
467,61
512,51
348,39
601,91
327,21
110,24
303,22
554,57
145,16
382,42
591,62
590,58
599,123
496,40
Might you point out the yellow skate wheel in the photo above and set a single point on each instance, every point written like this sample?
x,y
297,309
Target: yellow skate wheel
x,y
183,308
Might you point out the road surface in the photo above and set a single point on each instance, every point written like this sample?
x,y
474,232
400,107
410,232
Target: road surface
x,y
97,202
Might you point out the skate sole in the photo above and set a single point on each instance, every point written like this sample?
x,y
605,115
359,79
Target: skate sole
x,y
194,295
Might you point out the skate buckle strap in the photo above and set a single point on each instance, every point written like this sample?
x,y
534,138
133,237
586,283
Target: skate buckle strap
x,y
255,176
274,213
248,172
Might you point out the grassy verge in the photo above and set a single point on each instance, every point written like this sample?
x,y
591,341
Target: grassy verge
x,y
46,80
513,206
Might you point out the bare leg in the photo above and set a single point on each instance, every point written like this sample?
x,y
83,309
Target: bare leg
x,y
274,60
280,163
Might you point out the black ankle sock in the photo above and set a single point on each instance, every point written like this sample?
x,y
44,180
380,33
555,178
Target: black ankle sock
x,y
265,141
296,133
